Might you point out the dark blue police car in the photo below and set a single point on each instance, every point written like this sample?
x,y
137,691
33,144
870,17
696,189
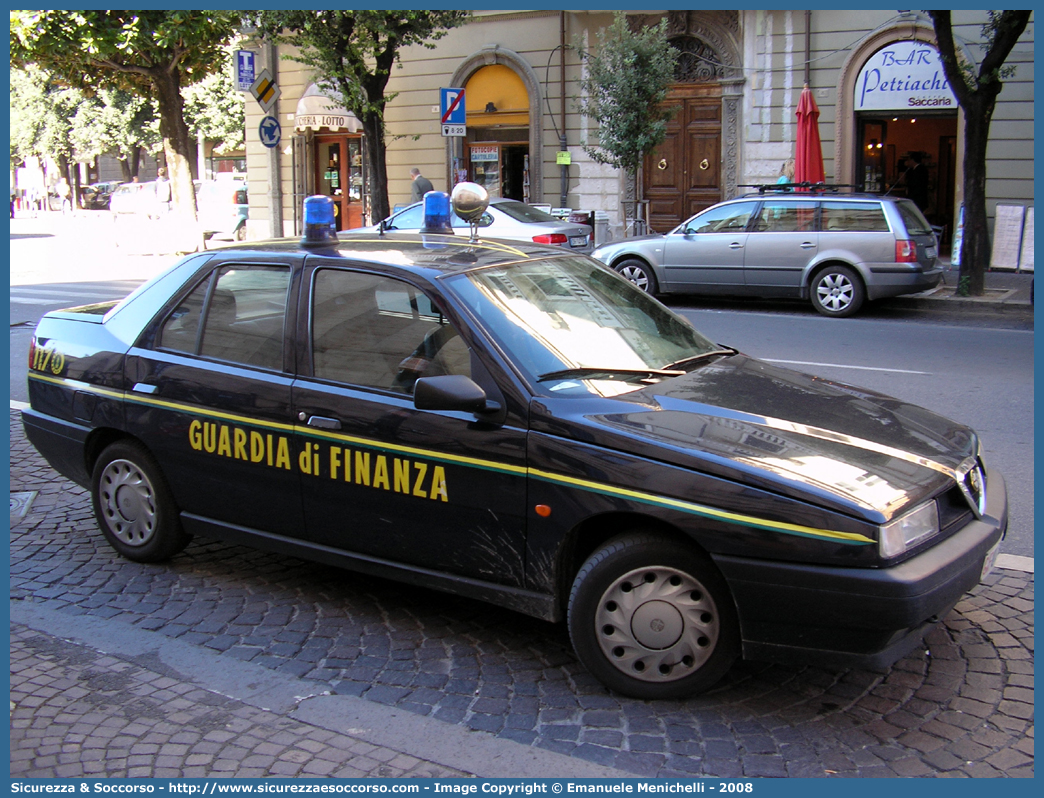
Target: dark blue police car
x,y
521,425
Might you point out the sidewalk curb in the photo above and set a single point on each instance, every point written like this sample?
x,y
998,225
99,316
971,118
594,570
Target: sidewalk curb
x,y
423,737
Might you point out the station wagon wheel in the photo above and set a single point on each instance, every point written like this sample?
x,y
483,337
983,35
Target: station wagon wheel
x,y
639,273
837,291
652,618
134,506
241,233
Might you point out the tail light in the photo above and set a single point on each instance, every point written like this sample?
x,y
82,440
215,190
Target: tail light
x,y
32,352
905,251
551,238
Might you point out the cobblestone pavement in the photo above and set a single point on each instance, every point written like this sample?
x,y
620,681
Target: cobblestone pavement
x,y
961,706
80,713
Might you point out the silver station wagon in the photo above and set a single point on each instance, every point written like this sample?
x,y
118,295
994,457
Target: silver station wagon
x,y
836,250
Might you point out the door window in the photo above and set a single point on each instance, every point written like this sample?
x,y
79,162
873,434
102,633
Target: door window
x,y
785,216
242,318
380,332
859,217
722,219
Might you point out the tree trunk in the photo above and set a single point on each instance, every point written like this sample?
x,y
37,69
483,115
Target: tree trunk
x,y
178,146
377,167
975,247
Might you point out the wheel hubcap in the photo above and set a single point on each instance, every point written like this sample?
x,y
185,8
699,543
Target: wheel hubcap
x,y
127,502
636,276
657,624
835,292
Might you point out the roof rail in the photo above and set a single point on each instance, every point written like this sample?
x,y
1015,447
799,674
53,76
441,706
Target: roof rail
x,y
822,188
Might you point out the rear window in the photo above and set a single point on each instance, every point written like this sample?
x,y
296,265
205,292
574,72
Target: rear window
x,y
916,224
854,217
521,212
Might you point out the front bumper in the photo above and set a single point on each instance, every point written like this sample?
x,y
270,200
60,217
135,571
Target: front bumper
x,y
866,617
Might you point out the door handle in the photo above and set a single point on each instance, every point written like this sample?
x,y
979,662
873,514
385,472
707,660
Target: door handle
x,y
322,422
808,245
144,387
735,245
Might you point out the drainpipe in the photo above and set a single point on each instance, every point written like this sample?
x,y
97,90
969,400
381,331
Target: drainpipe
x,y
808,47
275,175
562,136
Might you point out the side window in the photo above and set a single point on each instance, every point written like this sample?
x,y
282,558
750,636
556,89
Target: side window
x,y
243,317
380,332
854,217
725,219
785,216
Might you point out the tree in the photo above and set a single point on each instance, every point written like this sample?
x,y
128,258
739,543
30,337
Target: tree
x,y
214,109
149,53
119,123
977,94
42,119
627,80
352,53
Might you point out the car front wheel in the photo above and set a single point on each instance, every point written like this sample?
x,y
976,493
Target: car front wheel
x,y
837,291
652,618
639,273
134,506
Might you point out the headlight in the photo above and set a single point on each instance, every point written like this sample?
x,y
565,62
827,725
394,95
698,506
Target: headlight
x,y
904,532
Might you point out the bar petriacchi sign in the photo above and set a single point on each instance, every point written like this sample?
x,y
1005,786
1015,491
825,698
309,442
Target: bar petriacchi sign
x,y
904,76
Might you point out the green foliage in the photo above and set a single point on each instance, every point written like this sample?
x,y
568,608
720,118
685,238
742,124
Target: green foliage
x,y
353,51
215,109
90,50
118,122
627,81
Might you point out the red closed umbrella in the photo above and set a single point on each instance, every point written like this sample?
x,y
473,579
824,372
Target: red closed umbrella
x,y
808,160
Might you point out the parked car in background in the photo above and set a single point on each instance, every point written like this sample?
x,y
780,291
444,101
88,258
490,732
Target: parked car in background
x,y
504,218
222,208
135,199
96,196
838,250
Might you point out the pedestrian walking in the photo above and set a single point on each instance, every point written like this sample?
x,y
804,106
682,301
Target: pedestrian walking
x,y
421,185
65,192
162,190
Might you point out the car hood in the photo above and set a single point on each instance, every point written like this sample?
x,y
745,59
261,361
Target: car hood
x,y
805,436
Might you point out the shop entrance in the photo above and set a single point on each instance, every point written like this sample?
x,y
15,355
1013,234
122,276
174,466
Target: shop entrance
x,y
339,176
913,156
502,168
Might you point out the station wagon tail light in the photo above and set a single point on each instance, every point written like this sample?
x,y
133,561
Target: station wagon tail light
x,y
908,530
905,251
551,238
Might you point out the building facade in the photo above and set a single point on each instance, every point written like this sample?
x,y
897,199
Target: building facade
x,y
875,76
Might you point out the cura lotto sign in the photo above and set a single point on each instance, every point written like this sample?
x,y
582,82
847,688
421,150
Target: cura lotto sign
x,y
904,76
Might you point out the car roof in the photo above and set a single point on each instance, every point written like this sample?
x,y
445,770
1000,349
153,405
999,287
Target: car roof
x,y
436,254
815,195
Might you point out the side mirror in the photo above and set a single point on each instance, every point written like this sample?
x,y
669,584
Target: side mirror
x,y
451,392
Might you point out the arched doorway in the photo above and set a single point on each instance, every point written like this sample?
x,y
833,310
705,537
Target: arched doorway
x,y
696,165
496,148
510,136
884,124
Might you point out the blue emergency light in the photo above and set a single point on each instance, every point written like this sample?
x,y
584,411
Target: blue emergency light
x,y
319,227
437,213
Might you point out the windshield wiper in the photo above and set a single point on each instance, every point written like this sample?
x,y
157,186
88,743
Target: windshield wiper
x,y
727,351
588,372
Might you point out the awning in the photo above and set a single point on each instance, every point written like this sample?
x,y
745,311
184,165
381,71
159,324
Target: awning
x,y
315,110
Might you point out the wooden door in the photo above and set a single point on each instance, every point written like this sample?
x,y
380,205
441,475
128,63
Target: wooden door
x,y
338,164
683,175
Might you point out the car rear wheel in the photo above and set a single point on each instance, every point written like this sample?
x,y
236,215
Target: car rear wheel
x,y
241,233
837,291
134,506
639,273
652,618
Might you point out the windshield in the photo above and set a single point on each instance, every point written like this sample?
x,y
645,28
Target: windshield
x,y
570,324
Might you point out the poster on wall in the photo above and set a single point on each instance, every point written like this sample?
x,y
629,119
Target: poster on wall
x,y
1007,237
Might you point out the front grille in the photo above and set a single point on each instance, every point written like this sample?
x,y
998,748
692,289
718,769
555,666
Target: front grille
x,y
954,511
